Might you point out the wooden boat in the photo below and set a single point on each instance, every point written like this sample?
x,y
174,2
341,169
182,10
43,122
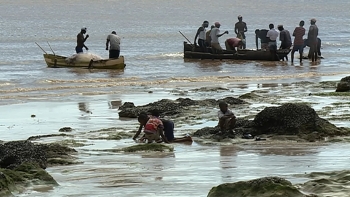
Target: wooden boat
x,y
242,54
56,61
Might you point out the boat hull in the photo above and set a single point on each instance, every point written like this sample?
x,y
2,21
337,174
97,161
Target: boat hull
x,y
57,61
243,54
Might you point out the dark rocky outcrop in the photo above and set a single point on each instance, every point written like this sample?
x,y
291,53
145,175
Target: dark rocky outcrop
x,y
288,119
171,107
262,187
23,163
343,85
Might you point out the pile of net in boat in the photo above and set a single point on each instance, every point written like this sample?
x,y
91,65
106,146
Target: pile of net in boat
x,y
83,57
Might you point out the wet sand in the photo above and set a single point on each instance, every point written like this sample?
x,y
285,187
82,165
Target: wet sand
x,y
192,169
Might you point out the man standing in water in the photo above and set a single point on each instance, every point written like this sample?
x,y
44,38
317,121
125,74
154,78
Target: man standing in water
x,y
114,41
201,36
272,35
298,33
264,41
215,34
240,28
285,38
312,39
81,40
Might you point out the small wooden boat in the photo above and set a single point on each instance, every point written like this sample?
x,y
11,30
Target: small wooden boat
x,y
56,61
242,54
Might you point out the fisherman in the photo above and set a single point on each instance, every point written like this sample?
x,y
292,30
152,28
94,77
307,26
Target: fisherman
x,y
272,35
232,43
201,35
285,38
215,34
81,41
264,41
114,40
312,39
240,29
207,36
298,45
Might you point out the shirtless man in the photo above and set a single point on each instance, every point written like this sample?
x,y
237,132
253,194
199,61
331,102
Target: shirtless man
x,y
81,40
240,29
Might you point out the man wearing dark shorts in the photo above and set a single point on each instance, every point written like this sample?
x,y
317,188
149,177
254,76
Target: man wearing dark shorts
x,y
298,33
81,41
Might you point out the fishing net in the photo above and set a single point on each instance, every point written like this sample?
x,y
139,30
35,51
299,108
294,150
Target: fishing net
x,y
83,57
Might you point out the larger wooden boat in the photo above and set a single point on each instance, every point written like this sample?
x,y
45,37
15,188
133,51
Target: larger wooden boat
x,y
56,61
243,54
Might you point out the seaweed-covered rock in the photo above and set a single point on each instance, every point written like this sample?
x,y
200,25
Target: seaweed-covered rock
x,y
148,147
294,119
206,131
171,107
343,85
22,163
262,187
15,153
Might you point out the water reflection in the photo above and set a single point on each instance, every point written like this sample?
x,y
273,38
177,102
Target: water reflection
x,y
114,104
228,156
206,65
110,72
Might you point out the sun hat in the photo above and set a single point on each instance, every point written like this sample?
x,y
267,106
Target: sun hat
x,y
313,20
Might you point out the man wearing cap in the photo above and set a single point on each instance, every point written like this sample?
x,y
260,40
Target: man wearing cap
x,y
201,36
240,28
285,38
312,39
114,41
81,40
215,34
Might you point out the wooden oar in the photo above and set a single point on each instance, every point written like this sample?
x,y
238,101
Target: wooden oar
x,y
186,39
50,48
40,47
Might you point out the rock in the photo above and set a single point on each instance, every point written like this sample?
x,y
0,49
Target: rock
x,y
206,131
22,163
262,187
148,147
15,153
294,119
168,107
65,129
343,85
289,119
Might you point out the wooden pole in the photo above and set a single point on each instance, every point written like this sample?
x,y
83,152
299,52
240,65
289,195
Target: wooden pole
x,y
40,47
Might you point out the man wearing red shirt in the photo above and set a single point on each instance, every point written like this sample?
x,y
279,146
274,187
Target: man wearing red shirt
x,y
298,33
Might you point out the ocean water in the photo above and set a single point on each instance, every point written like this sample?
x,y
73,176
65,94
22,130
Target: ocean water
x,y
153,50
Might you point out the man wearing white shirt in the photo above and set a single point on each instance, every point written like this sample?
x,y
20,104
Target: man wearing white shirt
x,y
272,34
114,41
214,35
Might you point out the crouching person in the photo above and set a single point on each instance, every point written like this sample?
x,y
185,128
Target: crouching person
x,y
227,119
153,128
